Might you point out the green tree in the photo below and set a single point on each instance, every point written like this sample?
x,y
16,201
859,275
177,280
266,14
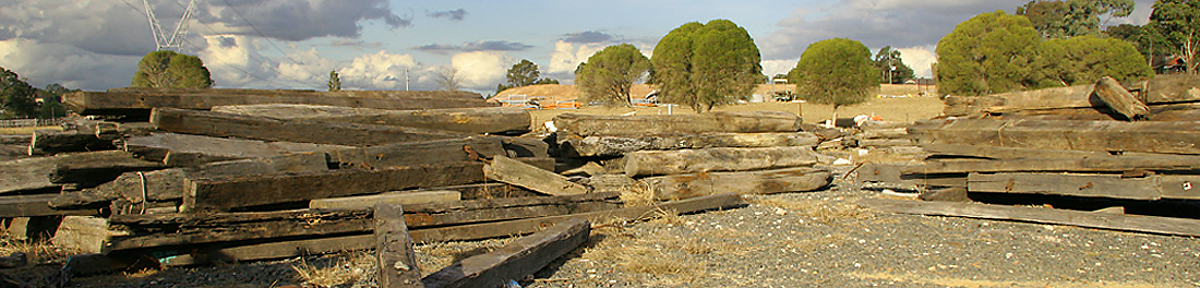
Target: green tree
x,y
990,53
835,72
1070,18
523,73
705,65
16,96
1085,59
891,67
167,69
335,81
52,106
608,75
1177,23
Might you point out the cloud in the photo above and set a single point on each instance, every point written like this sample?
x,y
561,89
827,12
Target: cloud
x,y
295,20
45,63
919,59
567,56
482,70
456,15
588,37
779,66
474,46
381,70
106,27
877,23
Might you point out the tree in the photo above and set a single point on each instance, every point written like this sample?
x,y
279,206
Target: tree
x,y
1070,18
608,75
167,69
705,65
1177,23
835,72
335,81
1085,59
449,79
892,69
52,106
16,96
523,73
990,53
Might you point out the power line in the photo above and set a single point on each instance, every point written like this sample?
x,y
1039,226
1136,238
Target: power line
x,y
285,55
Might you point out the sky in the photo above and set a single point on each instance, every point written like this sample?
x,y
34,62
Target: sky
x,y
397,45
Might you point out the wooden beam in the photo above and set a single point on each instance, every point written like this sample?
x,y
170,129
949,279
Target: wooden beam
x,y
1100,162
641,125
36,205
675,187
613,146
135,101
53,142
514,172
225,193
417,153
397,198
1168,89
33,173
643,163
84,233
996,152
1115,96
487,120
293,248
1121,222
393,249
1087,185
195,150
302,131
90,174
1103,136
514,260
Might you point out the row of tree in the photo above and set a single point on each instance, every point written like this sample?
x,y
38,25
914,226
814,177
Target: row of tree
x,y
19,100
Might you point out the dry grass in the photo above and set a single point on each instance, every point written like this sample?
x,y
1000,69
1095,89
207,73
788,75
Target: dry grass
x,y
350,267
26,130
820,211
35,251
640,194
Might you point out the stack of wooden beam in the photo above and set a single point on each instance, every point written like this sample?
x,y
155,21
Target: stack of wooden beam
x,y
671,157
238,175
1035,149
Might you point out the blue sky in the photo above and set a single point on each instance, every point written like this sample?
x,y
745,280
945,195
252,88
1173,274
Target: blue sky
x,y
374,44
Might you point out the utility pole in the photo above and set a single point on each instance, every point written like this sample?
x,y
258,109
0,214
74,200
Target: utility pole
x,y
405,78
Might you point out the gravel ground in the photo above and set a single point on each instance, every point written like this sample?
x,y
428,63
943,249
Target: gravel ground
x,y
816,239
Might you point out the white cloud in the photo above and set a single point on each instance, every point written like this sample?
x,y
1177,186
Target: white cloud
x,y
482,70
919,58
381,70
773,67
567,56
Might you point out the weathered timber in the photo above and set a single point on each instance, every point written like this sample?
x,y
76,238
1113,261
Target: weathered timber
x,y
490,120
195,150
84,233
303,131
168,184
526,147
1168,89
165,230
880,143
140,101
35,205
487,191
643,163
675,187
398,198
952,194
33,173
640,125
54,142
514,260
1148,224
892,133
21,139
90,174
872,125
1098,162
899,174
1120,100
1056,97
514,172
224,193
613,146
36,228
1153,137
416,153
611,183
995,152
293,248
394,255
1086,185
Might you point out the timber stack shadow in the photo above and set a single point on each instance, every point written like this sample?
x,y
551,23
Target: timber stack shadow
x,y
177,177
1100,156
